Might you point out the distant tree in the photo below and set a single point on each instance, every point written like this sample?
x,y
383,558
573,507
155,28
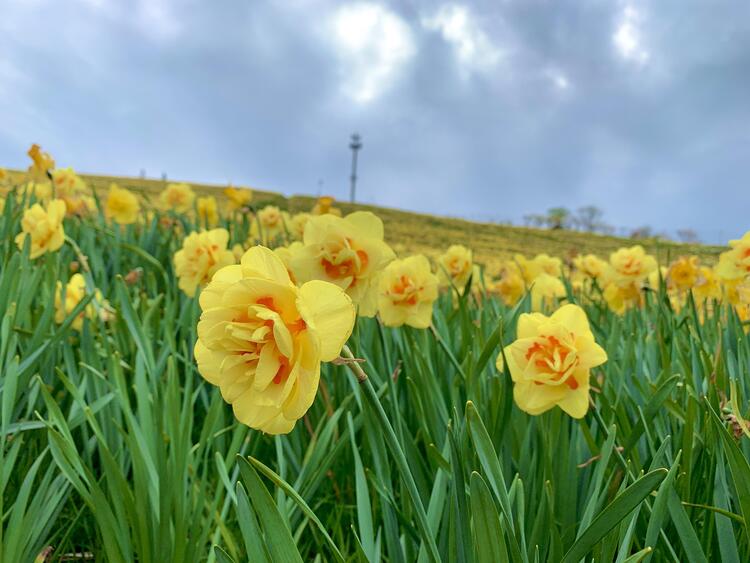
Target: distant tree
x,y
558,218
687,235
589,218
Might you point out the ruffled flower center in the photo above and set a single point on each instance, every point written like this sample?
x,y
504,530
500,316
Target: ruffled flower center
x,y
631,266
264,338
341,261
457,266
554,361
404,291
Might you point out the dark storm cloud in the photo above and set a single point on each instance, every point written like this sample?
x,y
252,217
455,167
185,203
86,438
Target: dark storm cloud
x,y
484,109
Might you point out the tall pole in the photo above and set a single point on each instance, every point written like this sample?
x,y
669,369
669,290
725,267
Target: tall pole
x,y
355,145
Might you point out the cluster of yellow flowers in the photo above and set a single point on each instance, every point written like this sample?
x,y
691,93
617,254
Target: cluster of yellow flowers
x,y
549,363
42,228
349,252
269,322
622,280
271,317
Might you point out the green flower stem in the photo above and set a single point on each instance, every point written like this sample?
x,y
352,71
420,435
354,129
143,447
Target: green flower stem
x,y
398,455
448,352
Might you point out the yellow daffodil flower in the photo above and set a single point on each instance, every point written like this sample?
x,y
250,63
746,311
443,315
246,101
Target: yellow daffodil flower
x,y
201,256
122,206
44,226
408,289
349,252
551,359
261,339
177,197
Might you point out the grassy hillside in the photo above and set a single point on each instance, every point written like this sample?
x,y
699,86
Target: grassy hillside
x,y
414,232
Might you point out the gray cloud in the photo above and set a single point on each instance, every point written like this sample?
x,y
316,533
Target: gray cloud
x,y
484,109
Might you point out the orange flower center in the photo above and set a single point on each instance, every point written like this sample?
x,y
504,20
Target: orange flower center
x,y
554,359
631,266
295,327
404,292
456,266
349,267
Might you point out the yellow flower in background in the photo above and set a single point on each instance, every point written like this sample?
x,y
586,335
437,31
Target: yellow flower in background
x,y
42,163
548,265
41,191
74,292
201,256
285,253
707,285
540,264
729,291
735,263
593,267
408,289
526,267
620,298
726,268
455,267
349,252
550,361
546,291
84,205
683,273
324,206
177,197
70,188
208,214
238,250
270,223
122,205
261,339
297,225
67,183
238,198
44,226
510,286
4,177
631,264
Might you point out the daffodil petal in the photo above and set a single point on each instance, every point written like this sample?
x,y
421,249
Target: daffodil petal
x,y
330,313
261,262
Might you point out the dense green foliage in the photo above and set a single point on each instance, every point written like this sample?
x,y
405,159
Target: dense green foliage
x,y
112,443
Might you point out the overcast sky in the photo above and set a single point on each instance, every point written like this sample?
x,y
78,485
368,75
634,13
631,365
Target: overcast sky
x,y
488,110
